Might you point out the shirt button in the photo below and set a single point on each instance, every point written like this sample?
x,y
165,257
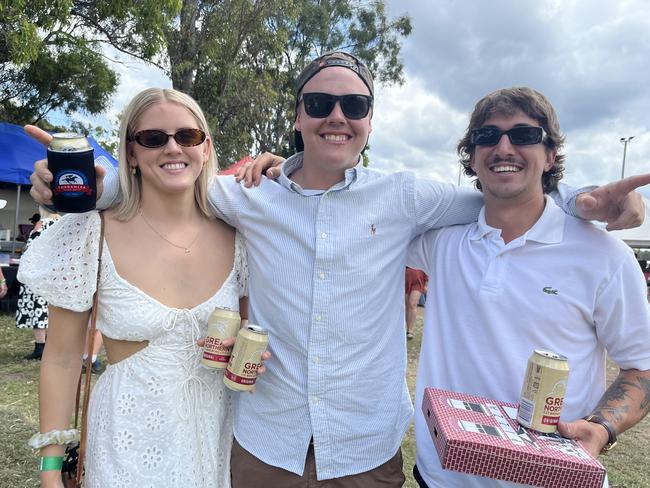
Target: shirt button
x,y
323,235
321,276
315,400
316,360
319,318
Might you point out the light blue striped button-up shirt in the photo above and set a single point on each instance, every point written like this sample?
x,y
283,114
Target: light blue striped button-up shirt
x,y
327,281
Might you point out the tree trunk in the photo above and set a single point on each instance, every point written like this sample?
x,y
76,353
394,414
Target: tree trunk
x,y
182,47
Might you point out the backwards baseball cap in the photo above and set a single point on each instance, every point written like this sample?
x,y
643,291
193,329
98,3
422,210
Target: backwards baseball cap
x,y
335,59
331,60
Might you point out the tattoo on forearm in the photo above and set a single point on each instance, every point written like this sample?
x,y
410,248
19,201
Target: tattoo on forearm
x,y
623,394
619,391
645,387
615,414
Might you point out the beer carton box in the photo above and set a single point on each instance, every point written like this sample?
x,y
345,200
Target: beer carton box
x,y
480,436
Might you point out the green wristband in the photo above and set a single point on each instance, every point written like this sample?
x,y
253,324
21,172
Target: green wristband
x,y
51,463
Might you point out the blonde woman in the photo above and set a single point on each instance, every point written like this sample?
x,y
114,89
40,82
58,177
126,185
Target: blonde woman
x,y
156,417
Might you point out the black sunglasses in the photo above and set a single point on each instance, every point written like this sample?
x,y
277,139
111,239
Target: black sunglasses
x,y
320,105
154,138
523,135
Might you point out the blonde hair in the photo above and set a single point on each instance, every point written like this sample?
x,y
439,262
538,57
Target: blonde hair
x,y
130,184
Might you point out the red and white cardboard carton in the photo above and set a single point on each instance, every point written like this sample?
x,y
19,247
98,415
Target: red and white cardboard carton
x,y
480,436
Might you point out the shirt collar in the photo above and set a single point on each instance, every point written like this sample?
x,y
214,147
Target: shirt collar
x,y
295,162
549,228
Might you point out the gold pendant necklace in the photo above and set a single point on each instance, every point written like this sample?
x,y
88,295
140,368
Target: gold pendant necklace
x,y
187,249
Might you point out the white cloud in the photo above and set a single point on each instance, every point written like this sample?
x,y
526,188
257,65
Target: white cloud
x,y
415,130
134,77
589,57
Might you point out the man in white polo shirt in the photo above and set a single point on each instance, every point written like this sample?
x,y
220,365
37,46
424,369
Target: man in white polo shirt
x,y
527,276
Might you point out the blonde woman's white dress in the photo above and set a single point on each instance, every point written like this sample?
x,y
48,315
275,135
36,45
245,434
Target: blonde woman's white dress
x,y
157,418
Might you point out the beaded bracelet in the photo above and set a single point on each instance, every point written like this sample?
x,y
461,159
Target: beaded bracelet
x,y
54,437
3,282
51,463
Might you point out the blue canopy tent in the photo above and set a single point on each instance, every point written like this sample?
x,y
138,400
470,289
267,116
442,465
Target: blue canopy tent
x,y
18,152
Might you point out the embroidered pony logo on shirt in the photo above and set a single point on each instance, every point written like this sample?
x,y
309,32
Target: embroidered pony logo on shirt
x,y
549,291
373,229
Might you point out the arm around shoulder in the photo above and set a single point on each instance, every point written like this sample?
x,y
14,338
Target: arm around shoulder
x,y
442,204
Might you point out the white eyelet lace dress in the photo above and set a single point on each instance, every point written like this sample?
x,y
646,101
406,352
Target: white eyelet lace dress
x,y
157,418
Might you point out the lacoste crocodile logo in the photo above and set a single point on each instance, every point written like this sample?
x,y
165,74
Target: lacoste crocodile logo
x,y
549,291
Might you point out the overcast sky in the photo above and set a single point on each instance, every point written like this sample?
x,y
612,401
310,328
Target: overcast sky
x,y
589,57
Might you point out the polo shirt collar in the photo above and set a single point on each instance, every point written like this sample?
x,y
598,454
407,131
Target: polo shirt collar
x,y
295,162
549,228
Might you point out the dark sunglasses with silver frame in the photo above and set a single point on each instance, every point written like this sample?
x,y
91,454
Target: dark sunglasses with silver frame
x,y
521,135
320,105
154,138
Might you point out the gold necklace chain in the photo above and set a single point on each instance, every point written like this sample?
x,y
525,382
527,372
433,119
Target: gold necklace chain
x,y
187,249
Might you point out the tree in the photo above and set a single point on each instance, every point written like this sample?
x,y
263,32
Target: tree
x,y
240,59
51,55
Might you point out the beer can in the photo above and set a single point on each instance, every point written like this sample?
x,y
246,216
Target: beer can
x,y
542,394
222,324
71,161
246,357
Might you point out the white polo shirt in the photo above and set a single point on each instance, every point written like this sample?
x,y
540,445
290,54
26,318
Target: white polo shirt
x,y
565,286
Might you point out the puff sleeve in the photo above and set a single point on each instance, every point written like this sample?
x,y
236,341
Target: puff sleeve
x,y
61,265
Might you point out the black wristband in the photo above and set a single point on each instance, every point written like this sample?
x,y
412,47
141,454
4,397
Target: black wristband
x,y
611,433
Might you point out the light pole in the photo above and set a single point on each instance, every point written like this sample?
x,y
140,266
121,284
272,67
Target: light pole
x,y
625,140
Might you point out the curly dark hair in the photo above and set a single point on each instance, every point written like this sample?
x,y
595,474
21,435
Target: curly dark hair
x,y
508,101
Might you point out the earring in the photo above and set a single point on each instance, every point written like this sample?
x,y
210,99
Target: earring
x,y
134,170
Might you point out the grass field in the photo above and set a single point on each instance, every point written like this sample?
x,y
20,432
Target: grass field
x,y
627,464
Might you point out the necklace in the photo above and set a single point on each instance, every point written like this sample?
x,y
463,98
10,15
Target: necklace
x,y
184,248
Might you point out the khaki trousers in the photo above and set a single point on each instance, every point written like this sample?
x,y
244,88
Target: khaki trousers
x,y
249,472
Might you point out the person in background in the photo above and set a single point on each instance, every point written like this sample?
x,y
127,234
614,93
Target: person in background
x,y
646,270
3,282
527,276
96,366
3,285
32,310
415,286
